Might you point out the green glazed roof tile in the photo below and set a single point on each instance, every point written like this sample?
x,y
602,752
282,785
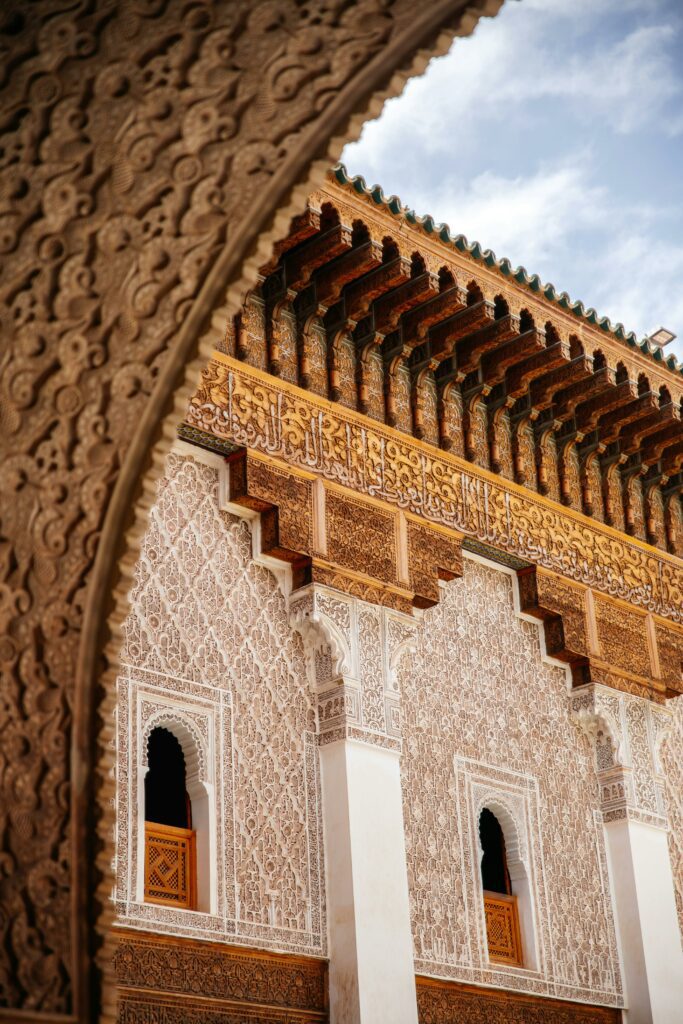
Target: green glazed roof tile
x,y
504,266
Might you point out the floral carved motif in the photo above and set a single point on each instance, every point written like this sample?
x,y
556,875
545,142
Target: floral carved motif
x,y
481,708
145,149
444,1002
236,681
235,980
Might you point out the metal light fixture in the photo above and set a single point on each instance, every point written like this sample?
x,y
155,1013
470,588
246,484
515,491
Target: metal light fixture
x,y
661,337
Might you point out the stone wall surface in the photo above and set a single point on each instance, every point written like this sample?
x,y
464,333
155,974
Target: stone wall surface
x,y
207,641
486,723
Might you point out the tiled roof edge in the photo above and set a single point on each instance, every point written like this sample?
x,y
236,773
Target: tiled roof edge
x,y
487,256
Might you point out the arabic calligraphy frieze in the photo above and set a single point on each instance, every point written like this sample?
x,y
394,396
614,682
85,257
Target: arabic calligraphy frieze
x,y
267,415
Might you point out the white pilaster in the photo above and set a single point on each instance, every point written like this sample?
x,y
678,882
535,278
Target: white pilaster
x,y
354,648
628,731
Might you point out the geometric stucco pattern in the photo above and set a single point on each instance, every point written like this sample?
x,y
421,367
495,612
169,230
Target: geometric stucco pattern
x,y
146,149
354,648
672,766
478,692
629,733
208,634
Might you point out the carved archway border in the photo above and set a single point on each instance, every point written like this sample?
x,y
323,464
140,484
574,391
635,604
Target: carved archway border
x,y
430,34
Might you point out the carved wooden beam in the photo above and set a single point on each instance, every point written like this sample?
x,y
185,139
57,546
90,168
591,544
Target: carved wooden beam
x,y
389,308
495,365
446,334
663,424
568,379
358,296
584,396
416,323
246,407
629,414
299,265
522,375
606,397
330,536
301,228
331,278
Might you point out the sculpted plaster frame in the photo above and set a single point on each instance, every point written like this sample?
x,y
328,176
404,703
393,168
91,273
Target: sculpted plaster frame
x,y
430,33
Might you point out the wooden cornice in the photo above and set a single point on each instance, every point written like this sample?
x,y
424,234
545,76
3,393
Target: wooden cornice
x,y
285,438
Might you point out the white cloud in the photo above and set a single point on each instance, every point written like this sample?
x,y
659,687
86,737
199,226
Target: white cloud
x,y
582,72
524,218
512,61
572,232
637,280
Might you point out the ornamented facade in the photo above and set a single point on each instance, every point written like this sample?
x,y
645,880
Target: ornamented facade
x,y
416,556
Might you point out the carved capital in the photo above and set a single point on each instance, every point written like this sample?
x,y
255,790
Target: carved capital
x,y
323,618
354,649
627,732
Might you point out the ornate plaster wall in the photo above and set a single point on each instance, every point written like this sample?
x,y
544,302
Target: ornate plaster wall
x,y
208,641
486,721
151,154
672,765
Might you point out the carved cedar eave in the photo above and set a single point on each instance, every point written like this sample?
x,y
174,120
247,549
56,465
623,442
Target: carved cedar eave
x,y
478,326
376,486
520,377
386,217
358,296
302,226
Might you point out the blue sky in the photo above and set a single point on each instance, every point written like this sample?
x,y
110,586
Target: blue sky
x,y
554,136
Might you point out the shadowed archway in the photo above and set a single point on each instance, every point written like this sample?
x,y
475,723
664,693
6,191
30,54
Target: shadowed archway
x,y
151,152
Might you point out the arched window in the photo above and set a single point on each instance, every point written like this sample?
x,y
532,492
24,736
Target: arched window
x,y
170,842
500,903
495,876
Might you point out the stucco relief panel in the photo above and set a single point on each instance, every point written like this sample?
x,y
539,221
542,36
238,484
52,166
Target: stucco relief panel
x,y
672,767
479,690
208,628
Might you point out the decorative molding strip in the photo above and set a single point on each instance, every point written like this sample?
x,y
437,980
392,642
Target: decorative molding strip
x,y
254,410
443,1002
179,977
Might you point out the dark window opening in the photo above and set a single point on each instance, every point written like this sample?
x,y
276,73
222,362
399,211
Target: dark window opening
x,y
166,799
494,872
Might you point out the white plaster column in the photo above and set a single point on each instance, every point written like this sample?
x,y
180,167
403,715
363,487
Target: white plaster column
x,y
353,650
628,732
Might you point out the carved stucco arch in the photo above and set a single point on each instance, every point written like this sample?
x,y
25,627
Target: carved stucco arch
x,y
188,736
320,632
123,176
600,726
516,847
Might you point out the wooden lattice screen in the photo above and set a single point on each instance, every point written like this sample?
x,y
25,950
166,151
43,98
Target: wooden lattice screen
x,y
502,928
170,872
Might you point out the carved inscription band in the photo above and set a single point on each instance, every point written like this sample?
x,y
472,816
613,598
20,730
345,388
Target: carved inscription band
x,y
444,1002
254,410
